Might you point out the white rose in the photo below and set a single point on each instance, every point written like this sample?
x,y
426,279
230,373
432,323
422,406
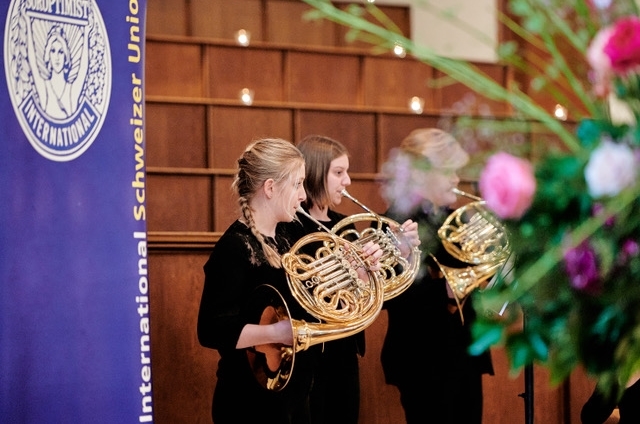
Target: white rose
x,y
611,168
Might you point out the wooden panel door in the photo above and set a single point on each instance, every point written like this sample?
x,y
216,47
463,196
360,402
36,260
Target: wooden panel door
x,y
184,372
221,19
233,68
174,69
225,203
233,128
459,99
176,135
394,128
323,78
178,202
355,130
391,82
167,17
286,25
399,15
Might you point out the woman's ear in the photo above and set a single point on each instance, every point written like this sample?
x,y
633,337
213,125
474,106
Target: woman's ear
x,y
268,188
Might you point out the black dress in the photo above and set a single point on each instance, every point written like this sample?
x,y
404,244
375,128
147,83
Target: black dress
x,y
237,265
425,349
335,396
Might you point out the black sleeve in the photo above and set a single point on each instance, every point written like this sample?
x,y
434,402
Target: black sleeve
x,y
226,288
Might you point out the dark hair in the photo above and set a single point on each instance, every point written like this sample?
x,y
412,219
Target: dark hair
x,y
318,152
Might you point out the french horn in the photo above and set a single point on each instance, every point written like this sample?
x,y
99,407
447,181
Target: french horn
x,y
398,272
474,235
328,286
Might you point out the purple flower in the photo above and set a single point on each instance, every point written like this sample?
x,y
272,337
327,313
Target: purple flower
x,y
598,209
582,268
630,248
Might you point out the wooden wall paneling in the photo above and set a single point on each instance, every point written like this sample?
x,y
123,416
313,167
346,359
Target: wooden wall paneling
x,y
579,388
167,17
549,399
176,135
366,190
391,82
459,99
233,128
501,393
225,203
539,78
178,202
222,18
379,402
482,137
183,370
544,142
393,128
233,68
323,78
399,15
356,130
173,69
286,25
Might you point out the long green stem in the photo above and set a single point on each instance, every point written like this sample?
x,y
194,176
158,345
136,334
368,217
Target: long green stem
x,y
457,69
540,268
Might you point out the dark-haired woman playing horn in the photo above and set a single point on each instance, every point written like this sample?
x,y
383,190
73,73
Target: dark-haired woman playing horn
x,y
445,381
335,396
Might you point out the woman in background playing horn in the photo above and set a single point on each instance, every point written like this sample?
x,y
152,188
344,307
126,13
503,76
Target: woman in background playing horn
x,y
445,381
335,397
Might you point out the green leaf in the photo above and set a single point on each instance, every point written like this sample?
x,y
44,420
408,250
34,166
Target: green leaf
x,y
485,335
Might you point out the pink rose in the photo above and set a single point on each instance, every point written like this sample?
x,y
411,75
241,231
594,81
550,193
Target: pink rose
x,y
600,63
507,184
623,46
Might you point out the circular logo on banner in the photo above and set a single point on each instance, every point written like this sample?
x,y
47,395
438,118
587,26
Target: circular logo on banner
x,y
58,68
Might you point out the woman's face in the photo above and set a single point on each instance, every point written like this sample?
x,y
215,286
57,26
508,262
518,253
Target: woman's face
x,y
291,194
57,57
438,186
338,178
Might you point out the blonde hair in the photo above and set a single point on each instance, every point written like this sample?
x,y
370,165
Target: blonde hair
x,y
318,152
440,148
267,158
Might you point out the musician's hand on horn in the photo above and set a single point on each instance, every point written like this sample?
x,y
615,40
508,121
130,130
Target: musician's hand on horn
x,y
279,332
372,252
408,237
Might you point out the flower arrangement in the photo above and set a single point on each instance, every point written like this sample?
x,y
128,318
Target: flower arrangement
x,y
573,216
577,257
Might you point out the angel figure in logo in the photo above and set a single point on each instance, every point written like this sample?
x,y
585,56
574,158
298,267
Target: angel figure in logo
x,y
59,59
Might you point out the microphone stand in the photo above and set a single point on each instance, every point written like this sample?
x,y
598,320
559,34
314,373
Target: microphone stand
x,y
527,395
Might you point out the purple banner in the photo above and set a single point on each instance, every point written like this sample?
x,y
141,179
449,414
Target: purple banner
x,y
74,306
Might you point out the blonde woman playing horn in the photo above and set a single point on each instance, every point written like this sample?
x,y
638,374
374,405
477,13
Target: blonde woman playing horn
x,y
269,185
442,381
335,397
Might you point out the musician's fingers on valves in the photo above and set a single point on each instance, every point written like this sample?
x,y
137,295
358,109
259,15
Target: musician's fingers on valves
x,y
370,254
406,237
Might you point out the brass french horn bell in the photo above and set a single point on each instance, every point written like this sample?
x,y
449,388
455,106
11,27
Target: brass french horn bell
x,y
472,234
327,285
398,272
